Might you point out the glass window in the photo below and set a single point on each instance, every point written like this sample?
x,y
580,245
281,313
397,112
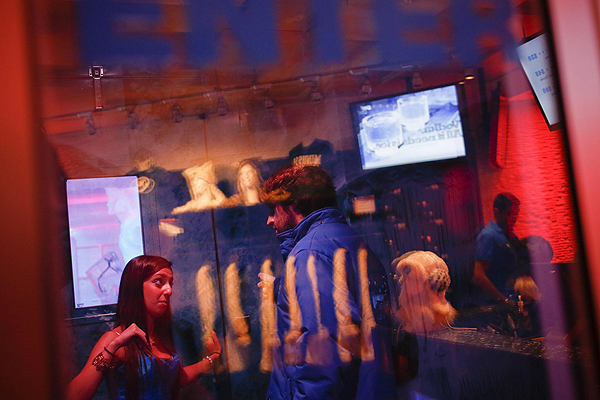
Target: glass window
x,y
440,124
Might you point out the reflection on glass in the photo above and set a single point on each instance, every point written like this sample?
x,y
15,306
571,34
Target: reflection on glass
x,y
429,154
383,133
413,112
202,184
205,293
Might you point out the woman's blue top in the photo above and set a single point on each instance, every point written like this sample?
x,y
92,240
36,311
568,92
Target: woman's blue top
x,y
156,382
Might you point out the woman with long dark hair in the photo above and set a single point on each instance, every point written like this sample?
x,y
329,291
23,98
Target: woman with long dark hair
x,y
138,356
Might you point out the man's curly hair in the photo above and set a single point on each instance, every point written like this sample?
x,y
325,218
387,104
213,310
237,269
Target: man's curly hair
x,y
308,188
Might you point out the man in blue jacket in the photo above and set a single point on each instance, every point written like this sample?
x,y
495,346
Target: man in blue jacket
x,y
332,298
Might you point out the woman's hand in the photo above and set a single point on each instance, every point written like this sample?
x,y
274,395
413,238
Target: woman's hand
x,y
86,383
194,371
125,336
213,345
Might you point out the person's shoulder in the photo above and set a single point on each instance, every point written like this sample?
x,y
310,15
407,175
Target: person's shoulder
x,y
333,229
326,234
485,234
489,231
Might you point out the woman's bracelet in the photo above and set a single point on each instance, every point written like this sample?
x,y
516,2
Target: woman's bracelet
x,y
210,360
108,351
101,363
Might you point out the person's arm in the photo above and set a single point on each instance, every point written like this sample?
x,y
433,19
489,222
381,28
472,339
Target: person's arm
x,y
192,372
485,251
84,385
481,279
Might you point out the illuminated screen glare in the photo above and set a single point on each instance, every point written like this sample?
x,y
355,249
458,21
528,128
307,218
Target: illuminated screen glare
x,y
410,128
105,229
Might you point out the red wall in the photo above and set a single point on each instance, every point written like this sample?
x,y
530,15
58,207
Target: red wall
x,y
533,168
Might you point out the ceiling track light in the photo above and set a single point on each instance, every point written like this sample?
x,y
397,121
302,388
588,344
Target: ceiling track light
x,y
265,88
133,120
222,107
417,80
176,113
469,74
268,100
90,126
365,85
315,94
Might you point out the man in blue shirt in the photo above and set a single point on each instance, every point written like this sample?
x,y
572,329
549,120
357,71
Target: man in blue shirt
x,y
496,259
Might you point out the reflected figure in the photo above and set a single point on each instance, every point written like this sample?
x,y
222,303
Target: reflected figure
x,y
424,279
237,345
318,316
143,161
207,304
496,259
235,314
122,204
138,356
267,316
202,183
169,227
248,185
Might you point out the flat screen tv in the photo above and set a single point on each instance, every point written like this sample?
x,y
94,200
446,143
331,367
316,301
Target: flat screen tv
x,y
535,59
409,128
105,229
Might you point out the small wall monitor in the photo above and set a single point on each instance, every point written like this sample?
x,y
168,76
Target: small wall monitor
x,y
535,59
409,128
105,229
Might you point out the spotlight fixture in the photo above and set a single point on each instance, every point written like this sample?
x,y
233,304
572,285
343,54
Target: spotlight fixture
x,y
222,107
469,74
90,126
176,113
264,89
365,86
133,121
315,95
268,100
417,80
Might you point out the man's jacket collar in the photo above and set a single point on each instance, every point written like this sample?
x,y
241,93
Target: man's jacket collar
x,y
289,238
